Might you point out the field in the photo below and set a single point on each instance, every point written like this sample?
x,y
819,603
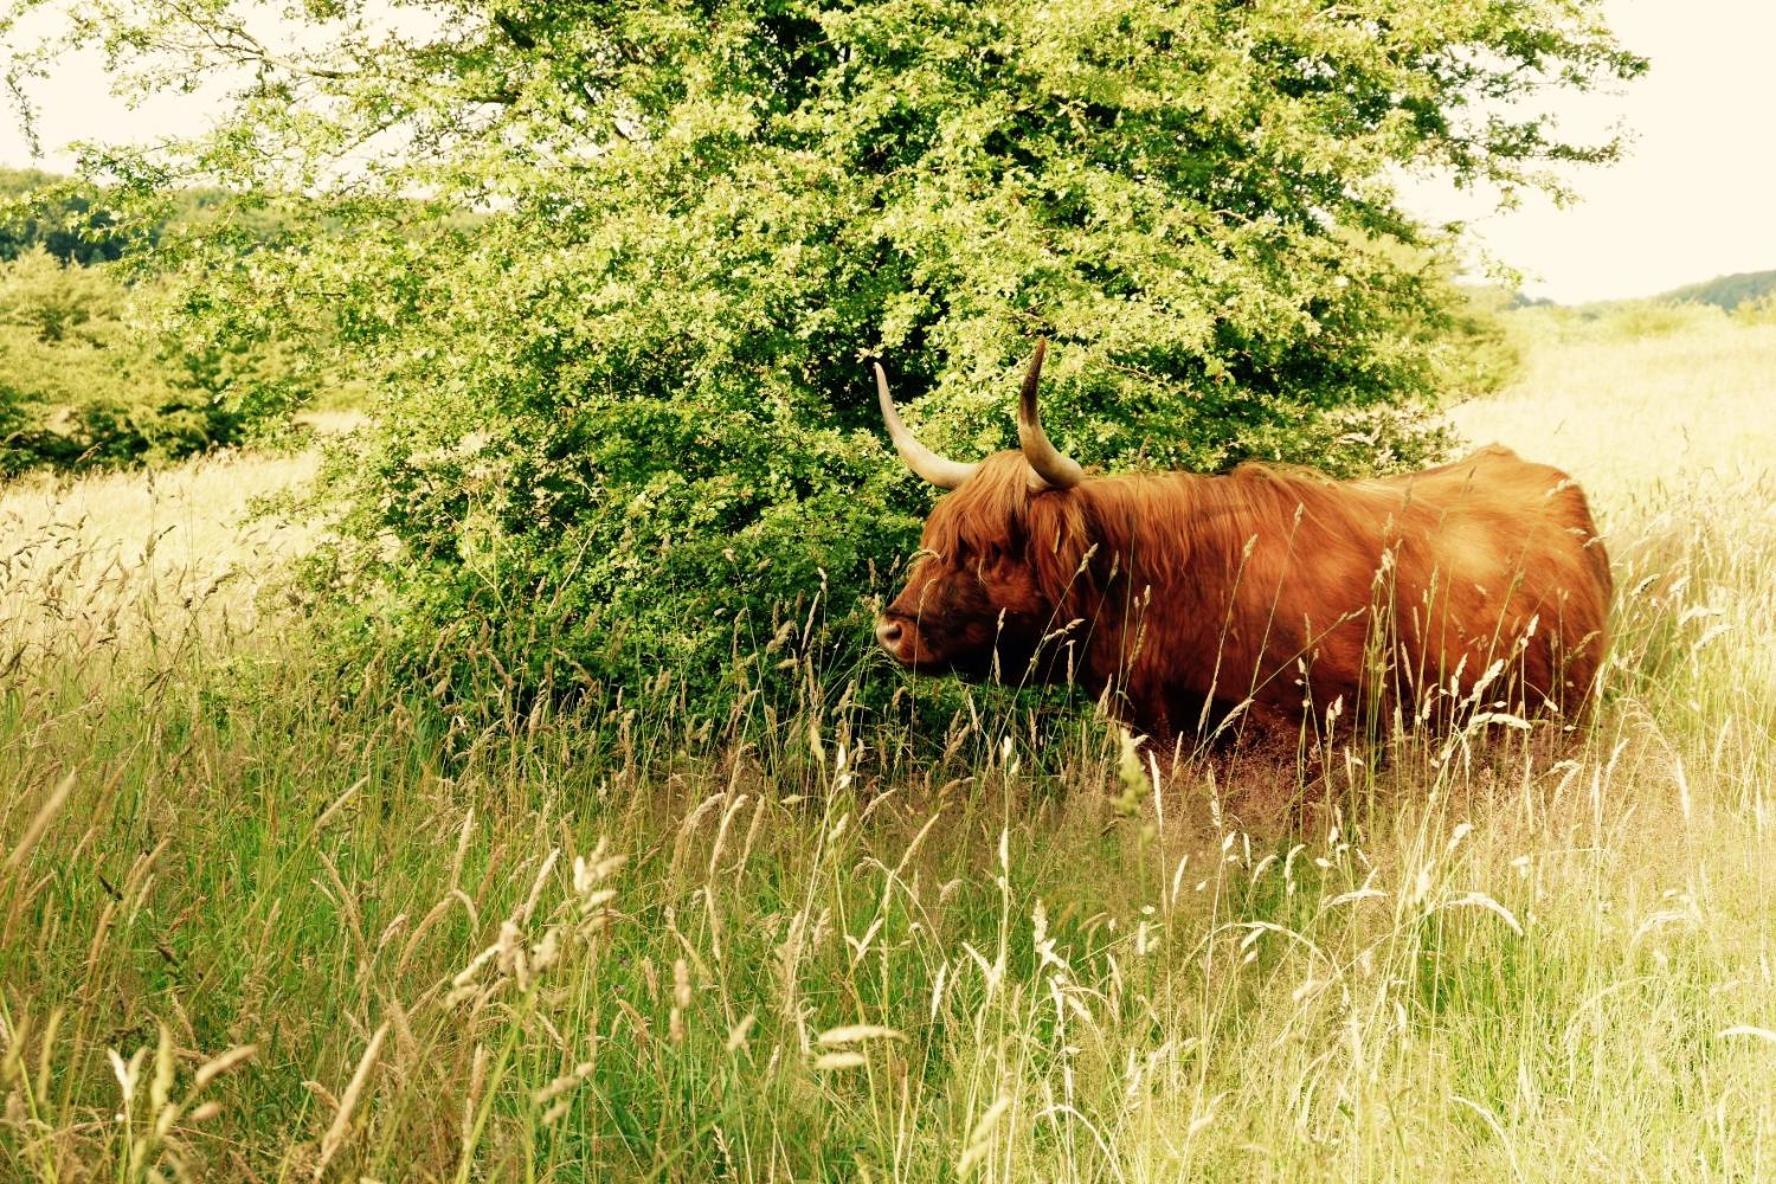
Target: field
x,y
254,926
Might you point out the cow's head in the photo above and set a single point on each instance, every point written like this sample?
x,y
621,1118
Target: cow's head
x,y
986,592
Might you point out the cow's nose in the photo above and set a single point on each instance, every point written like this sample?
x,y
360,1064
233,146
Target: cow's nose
x,y
888,632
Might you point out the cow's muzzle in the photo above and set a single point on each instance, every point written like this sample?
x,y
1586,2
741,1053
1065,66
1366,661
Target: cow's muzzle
x,y
891,634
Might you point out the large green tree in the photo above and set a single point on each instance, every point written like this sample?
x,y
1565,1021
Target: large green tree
x,y
617,266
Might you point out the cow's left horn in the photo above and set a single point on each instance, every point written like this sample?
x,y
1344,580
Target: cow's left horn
x,y
1057,469
941,471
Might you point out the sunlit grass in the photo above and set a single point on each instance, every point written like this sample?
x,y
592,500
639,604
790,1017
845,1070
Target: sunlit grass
x,y
1645,422
148,554
261,920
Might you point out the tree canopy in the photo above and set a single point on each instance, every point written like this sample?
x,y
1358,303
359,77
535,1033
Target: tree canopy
x,y
617,267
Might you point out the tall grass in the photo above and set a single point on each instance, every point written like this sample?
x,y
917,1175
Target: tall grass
x,y
264,919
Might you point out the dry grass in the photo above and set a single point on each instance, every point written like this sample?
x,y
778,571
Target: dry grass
x,y
1641,421
256,925
96,561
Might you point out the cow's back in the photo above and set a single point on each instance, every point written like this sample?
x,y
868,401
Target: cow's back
x,y
1398,591
1498,560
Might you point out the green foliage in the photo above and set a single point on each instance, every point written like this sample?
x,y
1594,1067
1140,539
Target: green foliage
x,y
56,304
120,343
59,215
86,380
1480,356
76,221
1757,312
628,404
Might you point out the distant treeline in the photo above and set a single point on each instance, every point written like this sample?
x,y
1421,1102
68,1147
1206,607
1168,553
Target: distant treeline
x,y
71,222
1726,291
39,209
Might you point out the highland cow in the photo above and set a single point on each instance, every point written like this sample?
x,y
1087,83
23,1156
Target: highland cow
x,y
1190,603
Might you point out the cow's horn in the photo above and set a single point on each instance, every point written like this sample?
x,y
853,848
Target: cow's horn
x,y
941,471
1056,469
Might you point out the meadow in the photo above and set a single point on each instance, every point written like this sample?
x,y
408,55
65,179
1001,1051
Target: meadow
x,y
263,917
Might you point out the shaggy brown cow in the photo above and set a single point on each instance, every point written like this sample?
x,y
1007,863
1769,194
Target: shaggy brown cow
x,y
1196,601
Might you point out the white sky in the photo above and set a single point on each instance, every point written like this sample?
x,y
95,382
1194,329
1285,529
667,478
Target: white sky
x,y
1695,198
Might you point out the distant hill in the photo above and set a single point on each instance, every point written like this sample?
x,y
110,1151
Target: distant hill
x,y
1727,291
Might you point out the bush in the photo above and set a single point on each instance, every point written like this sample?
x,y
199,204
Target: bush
x,y
87,380
1637,320
1479,354
626,405
1757,312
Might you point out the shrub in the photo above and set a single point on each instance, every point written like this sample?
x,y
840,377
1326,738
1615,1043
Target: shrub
x,y
1757,312
626,405
1637,320
87,378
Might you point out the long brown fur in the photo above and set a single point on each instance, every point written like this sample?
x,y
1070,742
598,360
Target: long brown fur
x,y
1267,594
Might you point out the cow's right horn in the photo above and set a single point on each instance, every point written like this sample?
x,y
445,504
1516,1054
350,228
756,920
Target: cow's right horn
x,y
1056,468
941,471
